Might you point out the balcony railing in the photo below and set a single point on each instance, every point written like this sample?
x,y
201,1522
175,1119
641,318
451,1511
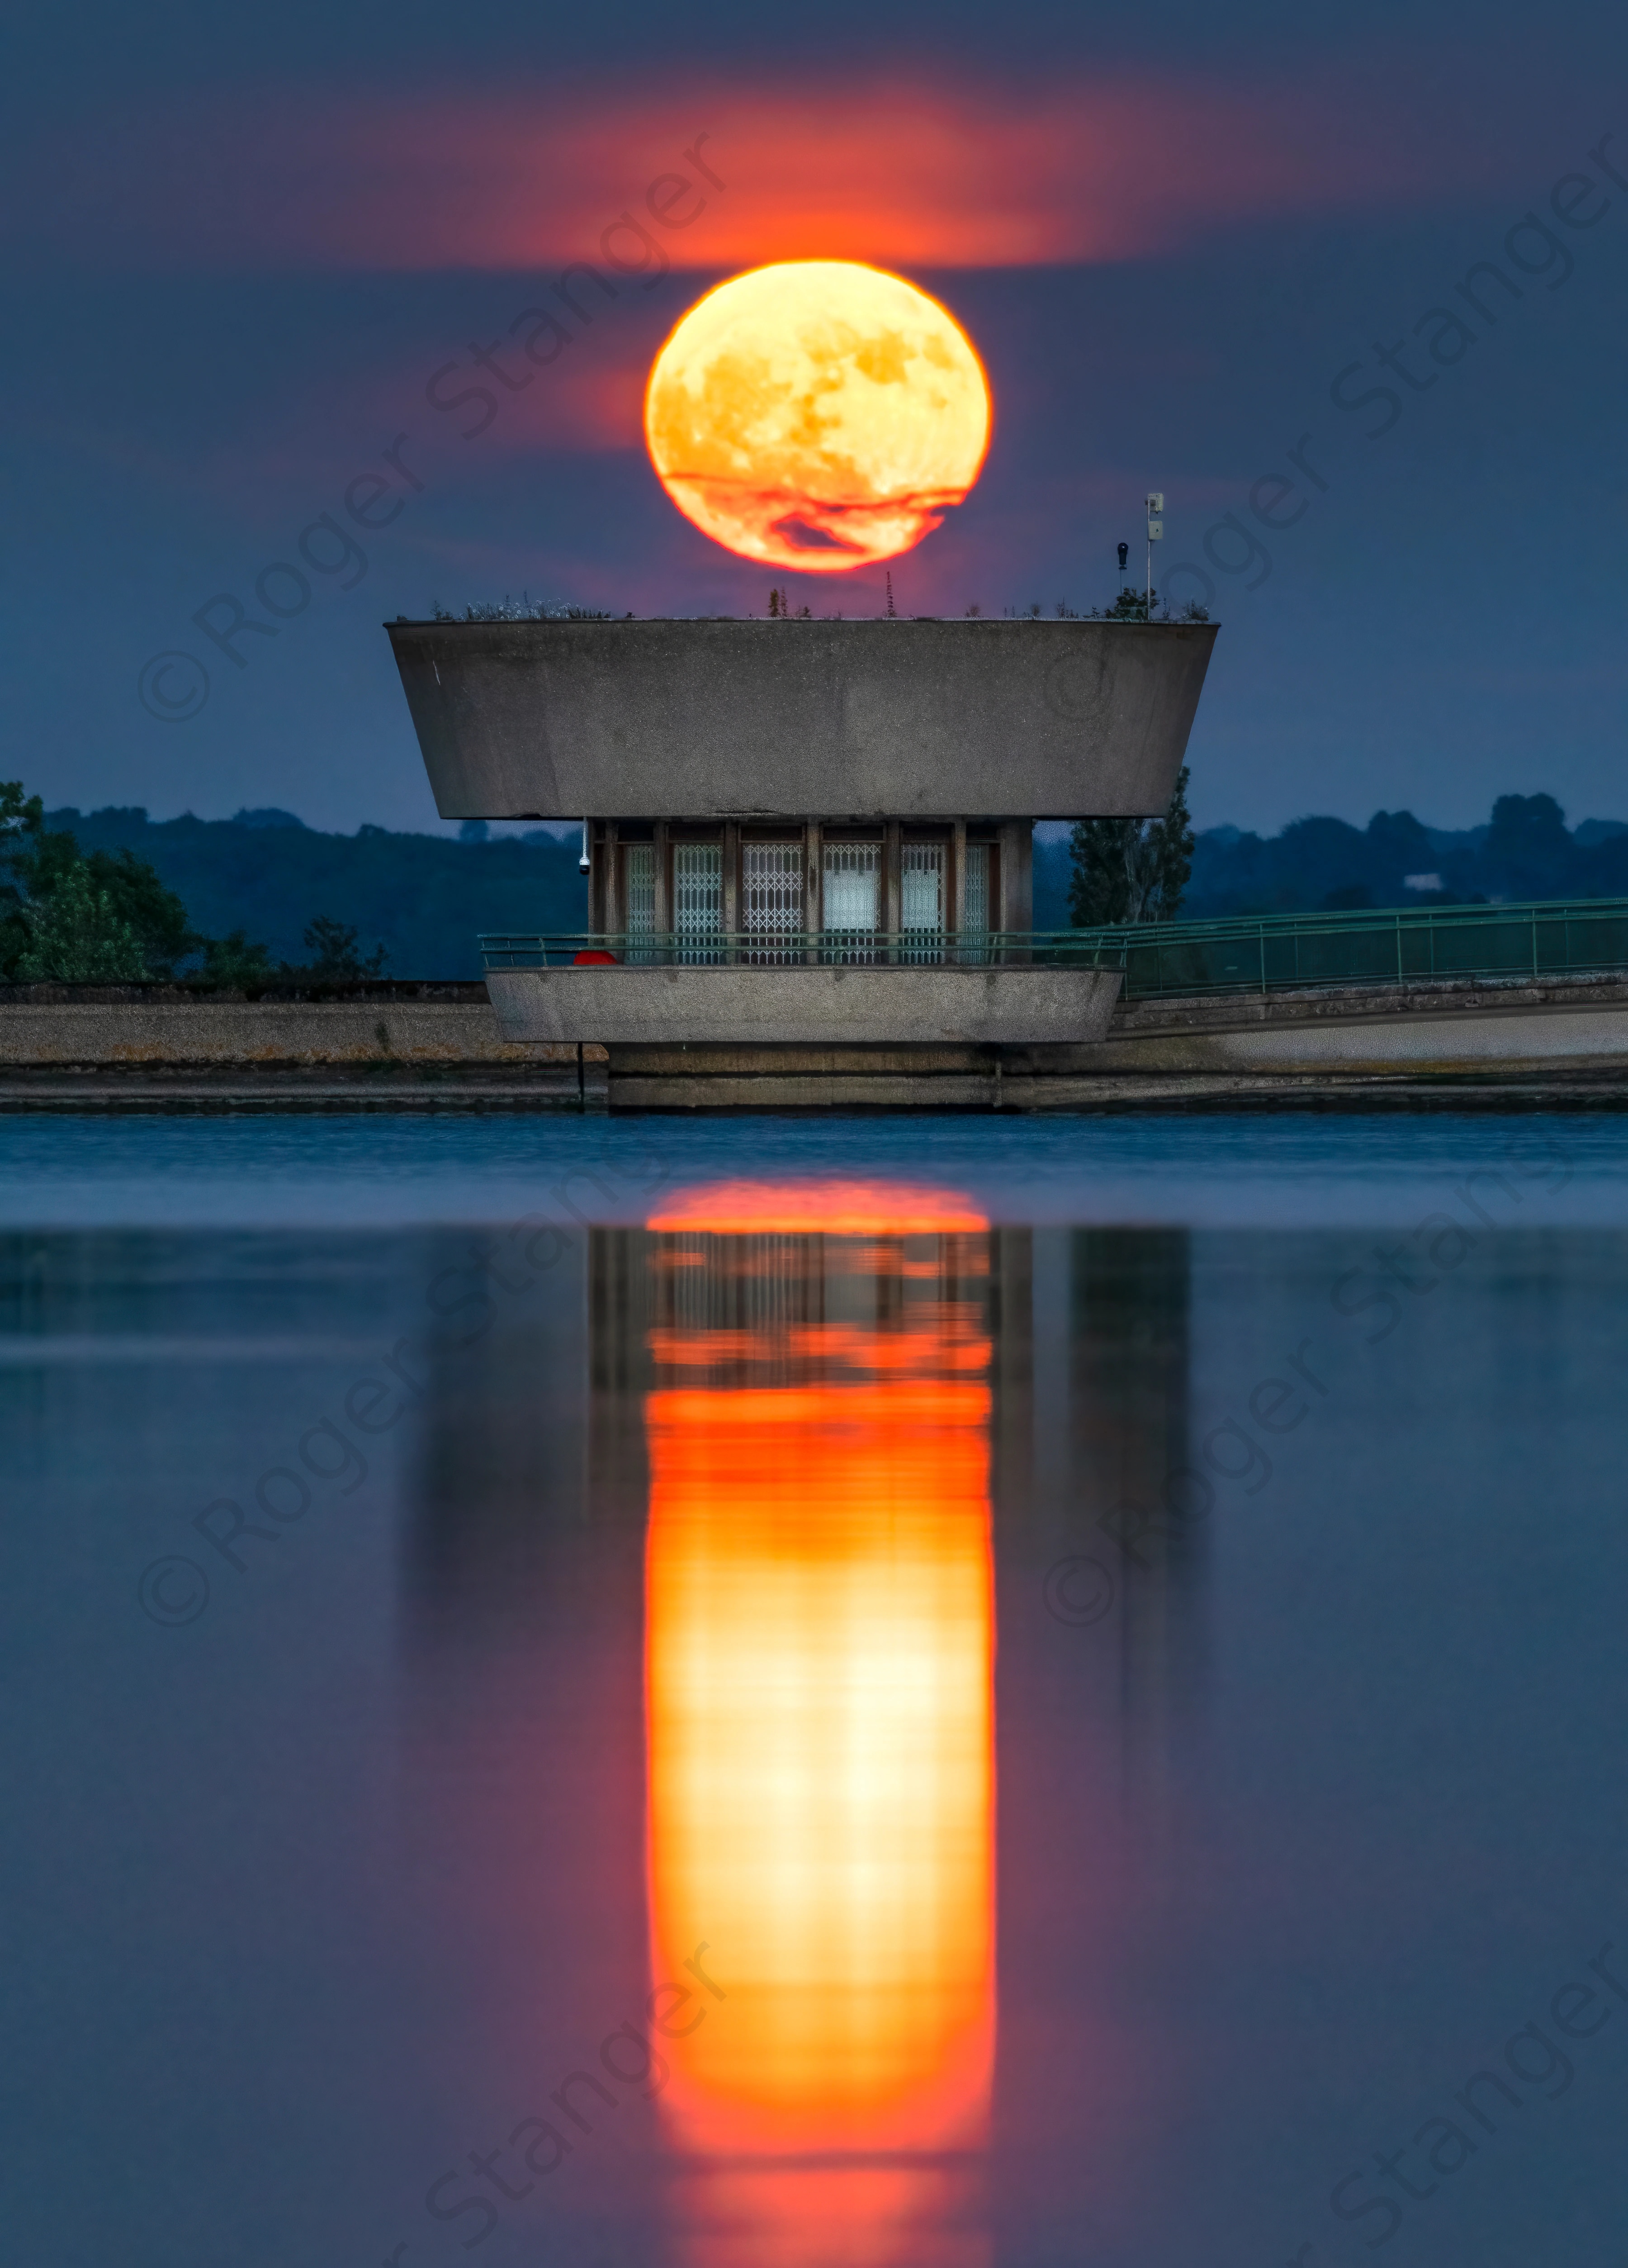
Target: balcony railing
x,y
867,948
1425,945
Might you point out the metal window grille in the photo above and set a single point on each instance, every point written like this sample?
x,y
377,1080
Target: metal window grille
x,y
852,900
975,900
975,912
638,875
772,890
922,897
698,898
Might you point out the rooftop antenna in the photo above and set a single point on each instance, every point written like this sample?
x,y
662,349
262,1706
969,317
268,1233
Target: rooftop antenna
x,y
1156,529
892,612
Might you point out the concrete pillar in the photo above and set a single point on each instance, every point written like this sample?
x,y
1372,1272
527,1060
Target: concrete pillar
x,y
1023,843
615,916
1016,873
813,861
731,875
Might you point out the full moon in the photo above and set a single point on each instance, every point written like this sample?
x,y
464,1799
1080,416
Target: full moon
x,y
817,415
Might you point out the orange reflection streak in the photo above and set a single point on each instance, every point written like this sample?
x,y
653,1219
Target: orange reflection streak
x,y
819,1652
818,1208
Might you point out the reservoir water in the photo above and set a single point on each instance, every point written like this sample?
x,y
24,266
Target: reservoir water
x,y
815,1694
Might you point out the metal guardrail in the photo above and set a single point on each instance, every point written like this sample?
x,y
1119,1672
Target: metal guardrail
x,y
1257,954
786,948
1412,944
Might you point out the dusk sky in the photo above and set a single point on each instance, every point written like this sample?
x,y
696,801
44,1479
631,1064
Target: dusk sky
x,y
249,258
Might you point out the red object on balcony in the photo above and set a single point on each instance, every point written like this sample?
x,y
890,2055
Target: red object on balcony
x,y
593,960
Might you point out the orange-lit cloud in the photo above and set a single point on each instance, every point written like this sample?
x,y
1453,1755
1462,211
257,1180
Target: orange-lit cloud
x,y
951,176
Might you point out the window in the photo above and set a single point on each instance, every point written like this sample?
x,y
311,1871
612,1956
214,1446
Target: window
x,y
853,906
772,895
697,897
921,896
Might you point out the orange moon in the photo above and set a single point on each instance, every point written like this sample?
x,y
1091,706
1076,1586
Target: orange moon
x,y
817,415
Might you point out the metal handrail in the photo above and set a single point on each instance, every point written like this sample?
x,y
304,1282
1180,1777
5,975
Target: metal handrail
x,y
1258,953
1401,946
786,948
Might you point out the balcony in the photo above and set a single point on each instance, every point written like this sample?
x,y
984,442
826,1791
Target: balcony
x,y
803,989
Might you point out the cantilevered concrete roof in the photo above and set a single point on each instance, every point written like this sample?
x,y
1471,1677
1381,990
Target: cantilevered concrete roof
x,y
774,719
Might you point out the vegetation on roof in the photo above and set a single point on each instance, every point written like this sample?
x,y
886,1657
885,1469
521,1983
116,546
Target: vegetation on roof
x,y
522,609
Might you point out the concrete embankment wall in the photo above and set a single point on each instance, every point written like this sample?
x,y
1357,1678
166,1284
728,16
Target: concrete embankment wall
x,y
1441,1030
393,1045
98,1027
406,1046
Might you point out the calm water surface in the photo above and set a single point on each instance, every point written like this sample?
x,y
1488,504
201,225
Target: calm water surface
x,y
775,1694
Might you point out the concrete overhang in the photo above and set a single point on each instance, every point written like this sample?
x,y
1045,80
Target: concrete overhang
x,y
799,1005
710,719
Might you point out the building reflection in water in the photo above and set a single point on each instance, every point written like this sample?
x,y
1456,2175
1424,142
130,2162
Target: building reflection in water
x,y
819,1646
819,1422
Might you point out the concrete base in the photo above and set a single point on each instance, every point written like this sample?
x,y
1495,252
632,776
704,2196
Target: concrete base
x,y
804,1007
807,1078
1455,1047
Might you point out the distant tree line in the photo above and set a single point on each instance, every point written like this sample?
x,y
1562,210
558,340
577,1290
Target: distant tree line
x,y
1526,850
106,917
111,896
262,898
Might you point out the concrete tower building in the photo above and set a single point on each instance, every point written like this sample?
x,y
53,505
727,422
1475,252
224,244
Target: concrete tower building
x,y
810,842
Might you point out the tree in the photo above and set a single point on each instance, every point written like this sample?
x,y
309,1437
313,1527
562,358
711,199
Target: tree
x,y
1529,852
231,964
22,820
78,936
1130,870
154,914
336,960
107,919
